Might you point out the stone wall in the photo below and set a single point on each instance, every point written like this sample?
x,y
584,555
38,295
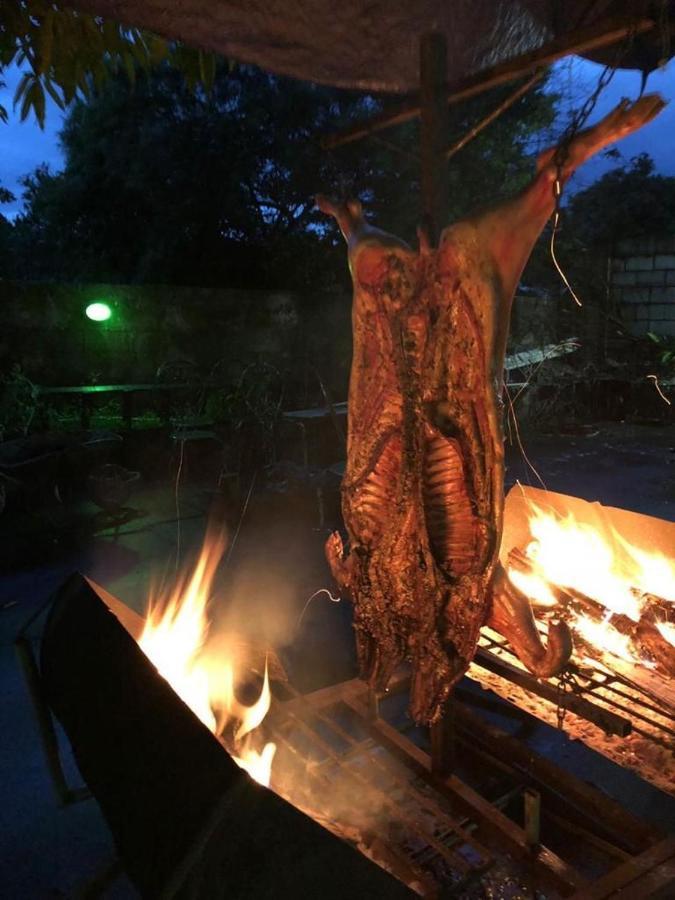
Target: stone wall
x,y
44,329
643,284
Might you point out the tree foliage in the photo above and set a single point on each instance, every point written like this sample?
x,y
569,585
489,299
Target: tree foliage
x,y
66,54
629,201
168,183
632,200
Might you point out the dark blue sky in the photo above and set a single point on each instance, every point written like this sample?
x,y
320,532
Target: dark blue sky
x,y
23,146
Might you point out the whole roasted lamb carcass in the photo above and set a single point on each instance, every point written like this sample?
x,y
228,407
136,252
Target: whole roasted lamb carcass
x,y
422,495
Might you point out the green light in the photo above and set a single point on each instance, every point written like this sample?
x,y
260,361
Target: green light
x,y
98,312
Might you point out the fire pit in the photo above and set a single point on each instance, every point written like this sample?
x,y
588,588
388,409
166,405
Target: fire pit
x,y
167,759
611,575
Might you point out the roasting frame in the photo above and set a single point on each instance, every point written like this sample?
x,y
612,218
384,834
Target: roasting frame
x,y
547,790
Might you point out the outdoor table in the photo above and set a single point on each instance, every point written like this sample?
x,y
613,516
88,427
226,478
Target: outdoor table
x,y
304,417
85,392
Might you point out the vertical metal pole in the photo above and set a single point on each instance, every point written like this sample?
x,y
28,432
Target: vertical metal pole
x,y
45,723
532,801
443,747
434,188
433,131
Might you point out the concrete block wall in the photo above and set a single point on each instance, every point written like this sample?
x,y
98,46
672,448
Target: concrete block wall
x,y
643,284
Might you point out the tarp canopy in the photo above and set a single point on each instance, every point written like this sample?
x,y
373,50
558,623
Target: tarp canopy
x,y
374,44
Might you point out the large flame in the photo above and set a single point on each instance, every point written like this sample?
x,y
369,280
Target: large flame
x,y
575,555
603,636
604,567
174,639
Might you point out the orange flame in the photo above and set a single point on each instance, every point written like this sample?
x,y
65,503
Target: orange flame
x,y
174,640
534,586
575,555
604,567
603,636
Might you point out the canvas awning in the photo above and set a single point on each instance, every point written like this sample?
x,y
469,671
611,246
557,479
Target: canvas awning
x,y
374,44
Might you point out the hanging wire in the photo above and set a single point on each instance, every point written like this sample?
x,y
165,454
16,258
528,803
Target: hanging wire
x,y
177,499
241,519
309,600
516,428
562,151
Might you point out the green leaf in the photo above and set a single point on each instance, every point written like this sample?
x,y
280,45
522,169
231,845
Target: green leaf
x,y
654,337
53,93
22,86
39,103
27,101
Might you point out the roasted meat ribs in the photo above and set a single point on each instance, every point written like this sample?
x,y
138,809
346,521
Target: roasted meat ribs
x,y
423,493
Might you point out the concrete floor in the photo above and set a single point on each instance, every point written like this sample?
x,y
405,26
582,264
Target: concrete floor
x,y
277,563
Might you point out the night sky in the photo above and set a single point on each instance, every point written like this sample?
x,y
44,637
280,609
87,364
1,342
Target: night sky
x,y
23,146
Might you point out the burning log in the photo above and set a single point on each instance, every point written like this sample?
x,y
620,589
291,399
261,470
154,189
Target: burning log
x,y
589,619
653,643
423,488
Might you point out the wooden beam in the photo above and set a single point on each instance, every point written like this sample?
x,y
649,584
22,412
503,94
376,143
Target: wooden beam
x,y
433,131
608,32
637,878
561,791
552,868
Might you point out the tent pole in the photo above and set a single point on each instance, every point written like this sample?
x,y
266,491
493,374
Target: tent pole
x,y
434,190
433,132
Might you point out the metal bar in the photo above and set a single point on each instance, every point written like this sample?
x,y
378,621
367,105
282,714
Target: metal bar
x,y
593,687
582,41
45,722
578,830
532,805
460,834
457,862
557,786
618,881
433,131
490,118
551,866
402,783
327,788
610,722
633,709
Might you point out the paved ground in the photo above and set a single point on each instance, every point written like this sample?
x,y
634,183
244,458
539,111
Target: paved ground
x,y
276,565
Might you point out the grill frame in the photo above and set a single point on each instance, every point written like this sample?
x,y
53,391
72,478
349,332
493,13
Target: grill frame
x,y
474,821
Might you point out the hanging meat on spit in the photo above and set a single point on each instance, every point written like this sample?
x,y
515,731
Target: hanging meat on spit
x,y
423,491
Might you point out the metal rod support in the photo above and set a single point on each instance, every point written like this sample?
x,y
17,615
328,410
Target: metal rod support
x,y
45,723
532,803
483,124
609,32
433,131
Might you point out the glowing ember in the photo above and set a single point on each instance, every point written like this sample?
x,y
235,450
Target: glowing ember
x,y
603,636
667,631
174,639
